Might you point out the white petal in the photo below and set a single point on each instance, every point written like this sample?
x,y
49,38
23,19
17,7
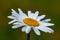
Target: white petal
x,y
18,23
36,31
16,16
11,17
17,19
46,29
28,29
41,17
36,14
24,29
33,15
16,26
47,20
14,13
30,14
22,15
12,21
20,11
46,24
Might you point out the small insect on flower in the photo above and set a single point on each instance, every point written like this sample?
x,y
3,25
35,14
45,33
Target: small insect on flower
x,y
32,21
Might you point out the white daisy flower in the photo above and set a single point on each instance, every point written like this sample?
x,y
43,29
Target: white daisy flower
x,y
32,21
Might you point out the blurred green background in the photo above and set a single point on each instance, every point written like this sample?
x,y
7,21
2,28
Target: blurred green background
x,y
49,7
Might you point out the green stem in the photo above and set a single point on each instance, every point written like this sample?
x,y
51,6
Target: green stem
x,y
28,36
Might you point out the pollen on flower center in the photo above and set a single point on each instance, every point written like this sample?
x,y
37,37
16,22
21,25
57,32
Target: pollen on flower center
x,y
31,22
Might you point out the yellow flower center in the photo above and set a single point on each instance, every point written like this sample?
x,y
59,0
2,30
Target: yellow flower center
x,y
31,22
